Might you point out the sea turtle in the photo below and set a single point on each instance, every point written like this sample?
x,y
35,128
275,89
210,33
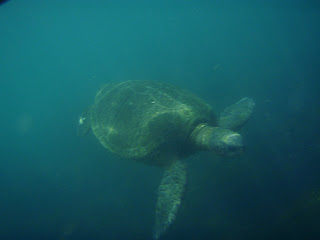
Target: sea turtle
x,y
160,124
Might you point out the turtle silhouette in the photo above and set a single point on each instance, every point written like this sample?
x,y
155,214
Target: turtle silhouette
x,y
160,124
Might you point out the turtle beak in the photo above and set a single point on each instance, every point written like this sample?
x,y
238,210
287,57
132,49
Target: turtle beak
x,y
233,144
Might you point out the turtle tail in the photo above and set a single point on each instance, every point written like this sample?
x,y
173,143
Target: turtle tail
x,y
84,126
169,197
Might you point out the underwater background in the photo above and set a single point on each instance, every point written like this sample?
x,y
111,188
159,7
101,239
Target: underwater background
x,y
54,57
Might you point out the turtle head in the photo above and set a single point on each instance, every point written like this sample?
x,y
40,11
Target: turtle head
x,y
222,141
226,142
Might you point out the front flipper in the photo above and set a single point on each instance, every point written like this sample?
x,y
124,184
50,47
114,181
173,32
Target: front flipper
x,y
235,116
169,197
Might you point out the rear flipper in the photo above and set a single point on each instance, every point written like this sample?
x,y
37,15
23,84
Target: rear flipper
x,y
235,116
169,197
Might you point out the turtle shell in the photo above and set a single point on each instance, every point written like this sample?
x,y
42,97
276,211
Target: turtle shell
x,y
136,119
